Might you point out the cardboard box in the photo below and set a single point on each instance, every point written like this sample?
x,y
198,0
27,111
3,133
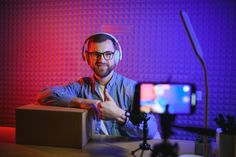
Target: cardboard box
x,y
53,126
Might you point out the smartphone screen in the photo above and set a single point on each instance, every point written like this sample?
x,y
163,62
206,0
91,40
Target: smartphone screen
x,y
173,98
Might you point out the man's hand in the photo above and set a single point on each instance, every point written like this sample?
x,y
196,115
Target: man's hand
x,y
109,110
88,104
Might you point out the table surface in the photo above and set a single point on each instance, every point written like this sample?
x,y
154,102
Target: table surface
x,y
99,146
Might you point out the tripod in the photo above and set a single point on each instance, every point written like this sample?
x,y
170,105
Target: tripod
x,y
143,146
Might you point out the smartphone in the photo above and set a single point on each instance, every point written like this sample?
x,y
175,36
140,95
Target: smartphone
x,y
171,98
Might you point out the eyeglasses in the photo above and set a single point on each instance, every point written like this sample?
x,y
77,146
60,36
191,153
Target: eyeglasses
x,y
108,55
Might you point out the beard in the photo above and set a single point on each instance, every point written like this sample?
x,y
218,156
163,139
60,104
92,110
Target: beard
x,y
102,69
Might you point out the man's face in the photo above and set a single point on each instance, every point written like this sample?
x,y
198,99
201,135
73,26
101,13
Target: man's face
x,y
100,65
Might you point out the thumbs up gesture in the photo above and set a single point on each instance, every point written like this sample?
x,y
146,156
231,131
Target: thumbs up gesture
x,y
108,110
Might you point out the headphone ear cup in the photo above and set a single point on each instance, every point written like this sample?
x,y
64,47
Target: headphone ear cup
x,y
84,56
120,54
117,57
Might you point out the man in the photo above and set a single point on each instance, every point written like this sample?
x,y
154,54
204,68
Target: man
x,y
107,93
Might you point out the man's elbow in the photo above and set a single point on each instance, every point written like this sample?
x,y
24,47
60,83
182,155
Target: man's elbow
x,y
41,100
42,97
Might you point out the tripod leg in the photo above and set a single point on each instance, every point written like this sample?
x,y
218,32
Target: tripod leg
x,y
142,153
151,149
133,152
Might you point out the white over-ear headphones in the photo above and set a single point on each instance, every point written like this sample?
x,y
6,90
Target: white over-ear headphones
x,y
118,52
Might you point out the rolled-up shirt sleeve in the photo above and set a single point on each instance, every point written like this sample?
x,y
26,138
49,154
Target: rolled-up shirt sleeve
x,y
58,95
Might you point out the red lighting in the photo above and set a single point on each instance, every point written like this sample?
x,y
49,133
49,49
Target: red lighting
x,y
7,134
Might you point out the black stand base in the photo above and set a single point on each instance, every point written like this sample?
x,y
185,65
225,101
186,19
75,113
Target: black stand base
x,y
143,147
165,149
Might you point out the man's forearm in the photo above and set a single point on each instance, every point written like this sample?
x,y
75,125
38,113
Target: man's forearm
x,y
82,102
